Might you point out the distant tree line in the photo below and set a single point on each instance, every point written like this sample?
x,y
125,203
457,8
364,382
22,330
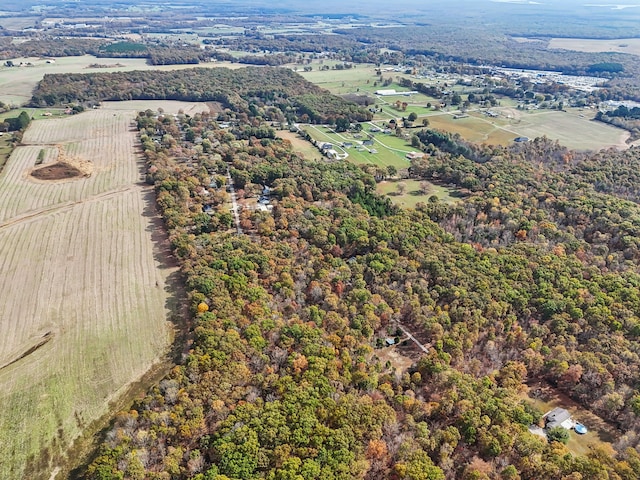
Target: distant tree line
x,y
235,89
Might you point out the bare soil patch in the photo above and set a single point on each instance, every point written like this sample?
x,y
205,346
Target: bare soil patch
x,y
66,168
58,171
394,360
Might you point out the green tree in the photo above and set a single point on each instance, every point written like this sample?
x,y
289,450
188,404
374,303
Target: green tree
x,y
342,124
558,434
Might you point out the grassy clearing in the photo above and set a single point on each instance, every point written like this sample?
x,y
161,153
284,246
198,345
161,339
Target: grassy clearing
x,y
412,195
573,129
34,113
390,110
570,129
83,283
342,81
599,432
300,145
474,128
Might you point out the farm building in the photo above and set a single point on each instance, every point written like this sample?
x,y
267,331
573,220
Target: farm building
x,y
389,92
414,155
558,417
384,93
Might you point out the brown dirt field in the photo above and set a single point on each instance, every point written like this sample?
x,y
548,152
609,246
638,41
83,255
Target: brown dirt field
x,y
64,169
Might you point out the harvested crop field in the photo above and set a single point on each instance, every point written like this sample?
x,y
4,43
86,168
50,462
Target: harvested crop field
x,y
621,45
85,296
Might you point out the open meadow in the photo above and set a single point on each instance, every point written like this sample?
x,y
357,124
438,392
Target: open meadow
x,y
300,145
86,301
570,129
408,193
475,128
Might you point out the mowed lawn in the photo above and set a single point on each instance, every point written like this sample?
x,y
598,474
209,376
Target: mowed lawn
x,y
386,150
412,195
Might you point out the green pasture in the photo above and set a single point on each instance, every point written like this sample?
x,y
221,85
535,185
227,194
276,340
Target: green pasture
x,y
34,113
389,110
342,81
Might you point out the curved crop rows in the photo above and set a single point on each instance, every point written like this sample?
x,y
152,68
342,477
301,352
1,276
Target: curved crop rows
x,y
83,310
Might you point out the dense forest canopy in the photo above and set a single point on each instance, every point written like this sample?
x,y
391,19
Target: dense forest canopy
x,y
235,89
534,276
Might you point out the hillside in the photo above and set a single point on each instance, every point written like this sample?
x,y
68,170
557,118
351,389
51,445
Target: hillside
x,y
532,277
